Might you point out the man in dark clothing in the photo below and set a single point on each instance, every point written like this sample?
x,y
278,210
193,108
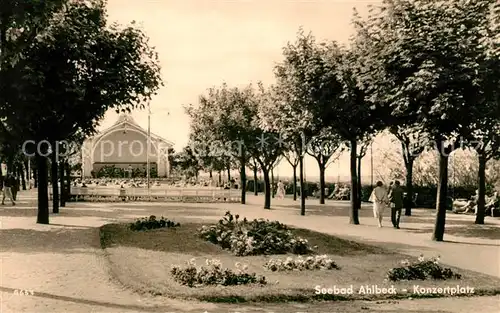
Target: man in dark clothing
x,y
9,183
396,196
15,187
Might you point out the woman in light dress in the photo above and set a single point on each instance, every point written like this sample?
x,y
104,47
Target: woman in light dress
x,y
380,200
281,190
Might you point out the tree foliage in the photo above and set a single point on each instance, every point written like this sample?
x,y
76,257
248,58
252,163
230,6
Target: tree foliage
x,y
427,62
71,73
301,96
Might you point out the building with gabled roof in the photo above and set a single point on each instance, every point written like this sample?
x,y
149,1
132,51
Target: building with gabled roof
x,y
124,145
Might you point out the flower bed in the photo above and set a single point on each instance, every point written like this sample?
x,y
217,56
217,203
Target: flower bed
x,y
257,237
422,269
147,223
214,274
319,262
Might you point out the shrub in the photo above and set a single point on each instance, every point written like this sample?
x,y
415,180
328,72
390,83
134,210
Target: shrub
x,y
421,270
366,191
320,262
257,237
214,274
146,223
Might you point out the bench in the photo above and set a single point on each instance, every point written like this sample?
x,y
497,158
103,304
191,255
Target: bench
x,y
198,195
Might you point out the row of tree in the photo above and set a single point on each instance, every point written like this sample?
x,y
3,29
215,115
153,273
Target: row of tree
x,y
426,70
62,66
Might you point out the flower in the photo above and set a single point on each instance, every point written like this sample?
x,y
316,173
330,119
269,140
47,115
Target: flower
x,y
405,262
421,258
192,261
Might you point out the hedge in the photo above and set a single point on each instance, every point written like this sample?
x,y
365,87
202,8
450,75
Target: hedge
x,y
426,194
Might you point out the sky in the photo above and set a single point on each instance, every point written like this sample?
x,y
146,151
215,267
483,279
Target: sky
x,y
203,43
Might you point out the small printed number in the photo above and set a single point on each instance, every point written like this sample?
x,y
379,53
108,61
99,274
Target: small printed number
x,y
21,292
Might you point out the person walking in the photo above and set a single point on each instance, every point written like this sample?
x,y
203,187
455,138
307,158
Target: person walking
x,y
7,189
380,200
15,187
281,190
396,196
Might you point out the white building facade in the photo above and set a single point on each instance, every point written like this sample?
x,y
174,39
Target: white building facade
x,y
125,145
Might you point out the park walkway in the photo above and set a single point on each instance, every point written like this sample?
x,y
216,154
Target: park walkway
x,y
63,264
476,254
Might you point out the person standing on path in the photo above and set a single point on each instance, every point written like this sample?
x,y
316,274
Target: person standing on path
x,y
15,187
396,196
7,189
380,201
281,190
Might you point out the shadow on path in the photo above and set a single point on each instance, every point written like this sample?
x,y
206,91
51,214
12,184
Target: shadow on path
x,y
89,302
60,240
469,231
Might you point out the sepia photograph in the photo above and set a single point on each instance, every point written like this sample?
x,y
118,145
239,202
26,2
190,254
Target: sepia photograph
x,y
250,156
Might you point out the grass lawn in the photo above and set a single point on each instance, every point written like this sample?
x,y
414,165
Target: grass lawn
x,y
142,262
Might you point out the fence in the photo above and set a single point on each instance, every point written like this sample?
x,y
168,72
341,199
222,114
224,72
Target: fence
x,y
199,195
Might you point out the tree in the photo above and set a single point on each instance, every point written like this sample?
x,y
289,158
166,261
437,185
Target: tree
x,y
360,154
304,89
71,154
293,159
227,114
351,116
21,21
487,148
172,161
189,163
425,60
413,142
487,132
72,74
266,148
322,148
254,166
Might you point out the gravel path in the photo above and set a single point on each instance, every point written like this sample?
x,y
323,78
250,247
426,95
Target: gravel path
x,y
64,267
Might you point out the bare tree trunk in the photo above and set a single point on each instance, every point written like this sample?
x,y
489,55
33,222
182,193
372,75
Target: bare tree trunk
x,y
21,174
54,179
255,182
243,179
63,183
28,174
43,198
267,188
354,213
294,183
228,174
302,186
481,202
442,197
409,186
322,182
35,176
360,196
68,180
273,190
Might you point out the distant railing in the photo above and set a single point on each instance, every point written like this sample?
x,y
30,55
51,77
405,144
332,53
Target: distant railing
x,y
199,195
